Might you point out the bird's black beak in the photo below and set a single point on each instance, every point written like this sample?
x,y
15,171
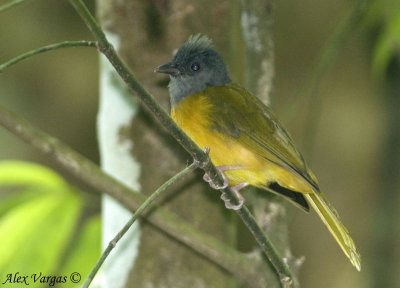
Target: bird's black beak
x,y
168,68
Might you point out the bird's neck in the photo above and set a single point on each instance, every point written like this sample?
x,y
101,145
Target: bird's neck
x,y
180,88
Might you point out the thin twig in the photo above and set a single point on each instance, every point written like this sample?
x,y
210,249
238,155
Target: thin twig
x,y
138,212
10,4
66,44
198,155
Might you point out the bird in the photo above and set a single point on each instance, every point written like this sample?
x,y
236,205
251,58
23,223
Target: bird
x,y
243,137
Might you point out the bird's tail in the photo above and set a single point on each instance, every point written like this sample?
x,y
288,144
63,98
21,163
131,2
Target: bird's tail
x,y
331,219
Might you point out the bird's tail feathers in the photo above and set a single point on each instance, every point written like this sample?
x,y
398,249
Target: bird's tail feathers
x,y
331,219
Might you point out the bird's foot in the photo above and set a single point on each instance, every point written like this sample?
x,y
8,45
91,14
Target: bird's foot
x,y
222,170
235,189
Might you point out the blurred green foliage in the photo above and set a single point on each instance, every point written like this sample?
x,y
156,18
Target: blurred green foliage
x,y
384,15
39,214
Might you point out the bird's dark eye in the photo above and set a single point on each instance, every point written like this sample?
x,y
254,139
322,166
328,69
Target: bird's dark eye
x,y
195,66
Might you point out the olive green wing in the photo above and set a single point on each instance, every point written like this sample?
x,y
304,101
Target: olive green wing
x,y
241,115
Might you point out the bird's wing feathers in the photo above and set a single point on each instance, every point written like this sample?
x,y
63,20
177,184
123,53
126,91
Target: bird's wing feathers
x,y
246,118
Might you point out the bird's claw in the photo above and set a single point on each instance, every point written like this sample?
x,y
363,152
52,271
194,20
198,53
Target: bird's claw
x,y
213,185
235,189
222,170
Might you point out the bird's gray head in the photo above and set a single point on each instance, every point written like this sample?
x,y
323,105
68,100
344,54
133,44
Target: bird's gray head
x,y
195,66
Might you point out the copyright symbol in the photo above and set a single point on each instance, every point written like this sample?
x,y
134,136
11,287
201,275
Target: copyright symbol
x,y
75,277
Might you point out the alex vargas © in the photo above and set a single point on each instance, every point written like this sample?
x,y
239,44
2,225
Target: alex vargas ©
x,y
35,278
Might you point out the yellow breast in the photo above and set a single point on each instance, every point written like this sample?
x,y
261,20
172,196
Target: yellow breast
x,y
193,114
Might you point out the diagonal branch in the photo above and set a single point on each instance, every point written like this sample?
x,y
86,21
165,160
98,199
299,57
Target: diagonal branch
x,y
199,155
163,220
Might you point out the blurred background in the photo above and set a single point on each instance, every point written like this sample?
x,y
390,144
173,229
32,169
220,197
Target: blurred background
x,y
350,132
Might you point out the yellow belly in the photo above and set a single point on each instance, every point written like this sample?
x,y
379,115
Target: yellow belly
x,y
192,116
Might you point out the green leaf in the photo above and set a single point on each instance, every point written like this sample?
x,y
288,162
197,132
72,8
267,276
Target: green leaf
x,y
37,224
15,198
31,180
34,234
26,173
